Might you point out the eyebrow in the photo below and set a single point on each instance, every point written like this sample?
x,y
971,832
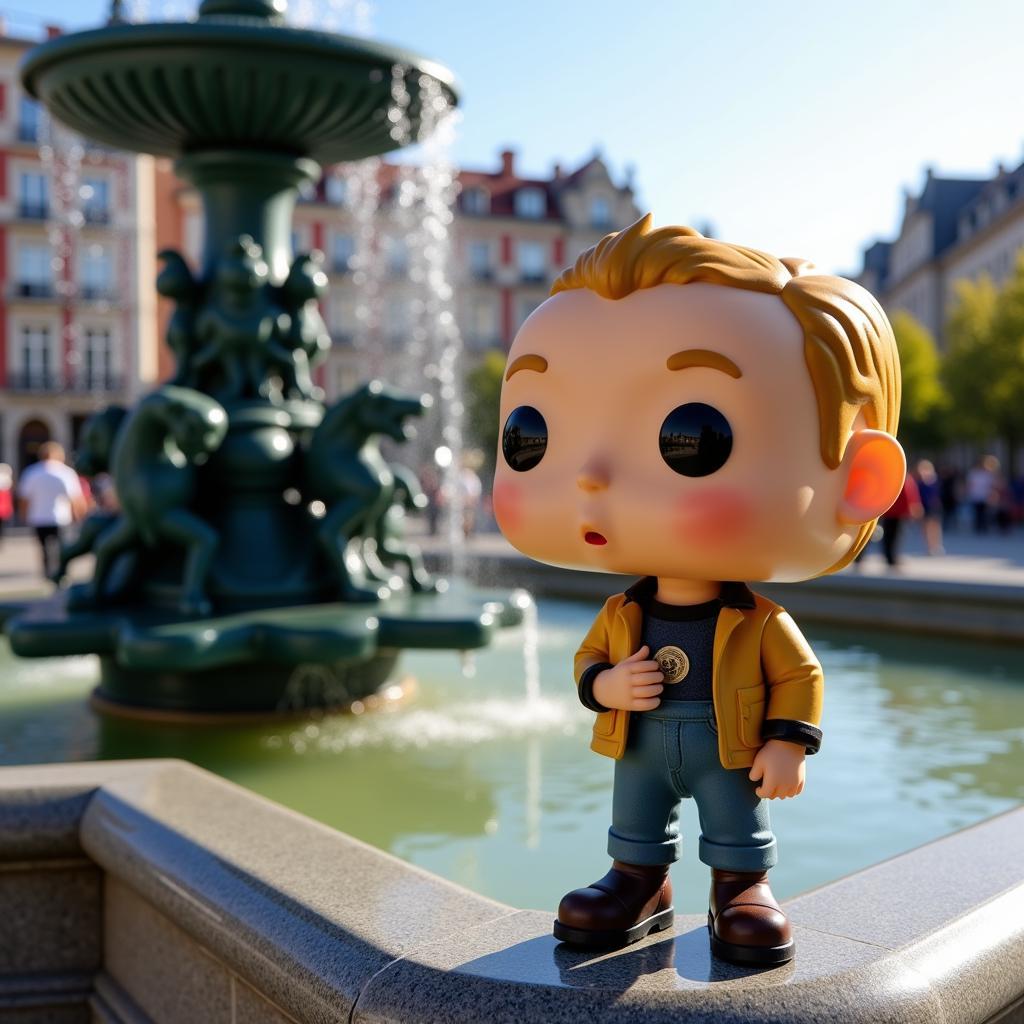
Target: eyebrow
x,y
527,362
703,357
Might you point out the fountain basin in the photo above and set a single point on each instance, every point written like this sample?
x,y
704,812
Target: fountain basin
x,y
267,660
226,82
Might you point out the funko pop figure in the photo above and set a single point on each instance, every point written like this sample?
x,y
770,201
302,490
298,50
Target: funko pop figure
x,y
703,416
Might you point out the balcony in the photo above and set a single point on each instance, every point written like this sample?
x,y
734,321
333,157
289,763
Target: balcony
x,y
33,289
97,293
533,276
97,382
341,265
481,273
29,380
33,211
28,131
96,215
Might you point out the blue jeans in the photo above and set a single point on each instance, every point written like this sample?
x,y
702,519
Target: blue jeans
x,y
672,752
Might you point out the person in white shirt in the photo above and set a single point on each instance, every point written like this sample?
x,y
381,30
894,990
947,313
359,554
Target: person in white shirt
x,y
50,498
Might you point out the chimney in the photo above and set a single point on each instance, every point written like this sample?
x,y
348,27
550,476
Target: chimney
x,y
52,31
508,163
557,173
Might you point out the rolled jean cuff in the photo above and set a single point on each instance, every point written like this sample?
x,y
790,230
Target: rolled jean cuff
x,y
738,858
632,851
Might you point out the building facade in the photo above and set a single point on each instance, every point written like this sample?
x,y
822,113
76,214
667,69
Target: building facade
x,y
510,236
77,332
957,229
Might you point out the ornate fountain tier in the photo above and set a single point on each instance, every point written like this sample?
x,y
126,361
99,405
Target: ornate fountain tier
x,y
235,79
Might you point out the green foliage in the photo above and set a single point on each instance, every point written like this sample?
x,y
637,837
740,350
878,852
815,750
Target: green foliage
x,y
984,370
925,405
483,394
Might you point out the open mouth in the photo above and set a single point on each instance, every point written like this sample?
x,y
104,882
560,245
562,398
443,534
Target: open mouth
x,y
593,537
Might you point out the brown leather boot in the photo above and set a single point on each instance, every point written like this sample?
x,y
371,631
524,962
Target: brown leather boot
x,y
747,925
624,906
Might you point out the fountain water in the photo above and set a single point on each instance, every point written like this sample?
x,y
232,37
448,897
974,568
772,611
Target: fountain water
x,y
286,511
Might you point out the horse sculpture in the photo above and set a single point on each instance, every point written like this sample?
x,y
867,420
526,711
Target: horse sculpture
x,y
346,471
388,547
169,433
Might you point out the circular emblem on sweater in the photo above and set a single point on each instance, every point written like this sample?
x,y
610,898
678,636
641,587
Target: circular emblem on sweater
x,y
674,663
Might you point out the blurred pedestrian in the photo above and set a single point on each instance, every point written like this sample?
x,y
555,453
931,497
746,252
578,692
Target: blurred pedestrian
x,y
471,489
949,490
49,499
929,489
906,506
6,500
980,485
430,481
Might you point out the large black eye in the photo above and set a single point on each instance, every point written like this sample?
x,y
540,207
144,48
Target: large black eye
x,y
696,439
524,438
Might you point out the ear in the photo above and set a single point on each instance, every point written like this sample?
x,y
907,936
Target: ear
x,y
874,467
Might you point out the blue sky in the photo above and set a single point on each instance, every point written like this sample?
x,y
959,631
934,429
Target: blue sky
x,y
790,127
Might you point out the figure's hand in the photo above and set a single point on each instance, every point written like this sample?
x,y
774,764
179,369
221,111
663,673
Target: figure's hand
x,y
632,685
779,767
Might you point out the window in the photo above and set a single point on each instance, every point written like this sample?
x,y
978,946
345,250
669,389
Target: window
x,y
35,271
336,190
526,307
531,202
98,358
33,195
397,255
600,212
476,201
97,271
532,261
343,319
343,248
29,119
483,322
397,322
36,355
480,259
95,193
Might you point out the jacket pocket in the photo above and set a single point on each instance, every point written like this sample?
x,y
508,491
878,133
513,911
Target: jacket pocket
x,y
604,724
751,711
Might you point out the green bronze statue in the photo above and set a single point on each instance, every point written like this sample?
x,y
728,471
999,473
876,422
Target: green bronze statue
x,y
92,458
347,472
387,547
154,461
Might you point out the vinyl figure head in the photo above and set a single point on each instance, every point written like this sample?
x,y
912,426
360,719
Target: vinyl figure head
x,y
689,409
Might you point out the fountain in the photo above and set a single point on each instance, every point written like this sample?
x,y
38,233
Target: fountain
x,y
257,563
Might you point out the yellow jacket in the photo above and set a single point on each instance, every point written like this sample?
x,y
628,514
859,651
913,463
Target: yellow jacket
x,y
766,681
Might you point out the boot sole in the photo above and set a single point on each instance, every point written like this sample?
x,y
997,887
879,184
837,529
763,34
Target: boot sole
x,y
614,938
750,956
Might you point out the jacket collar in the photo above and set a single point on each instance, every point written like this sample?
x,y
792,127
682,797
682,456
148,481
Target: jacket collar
x,y
733,595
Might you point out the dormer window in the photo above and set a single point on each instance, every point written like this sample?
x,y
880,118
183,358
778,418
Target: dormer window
x,y
600,212
336,190
476,201
531,203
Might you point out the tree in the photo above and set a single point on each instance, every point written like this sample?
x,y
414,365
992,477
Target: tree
x,y
984,371
925,405
483,394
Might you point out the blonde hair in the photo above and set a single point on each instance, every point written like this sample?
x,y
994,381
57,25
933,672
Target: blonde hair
x,y
849,347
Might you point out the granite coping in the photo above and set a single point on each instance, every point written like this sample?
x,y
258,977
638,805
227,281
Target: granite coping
x,y
330,929
979,611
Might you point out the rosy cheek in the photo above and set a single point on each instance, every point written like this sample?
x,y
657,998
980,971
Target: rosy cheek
x,y
713,517
507,498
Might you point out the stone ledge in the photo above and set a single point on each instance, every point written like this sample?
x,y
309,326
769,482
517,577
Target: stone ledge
x,y
326,928
980,611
